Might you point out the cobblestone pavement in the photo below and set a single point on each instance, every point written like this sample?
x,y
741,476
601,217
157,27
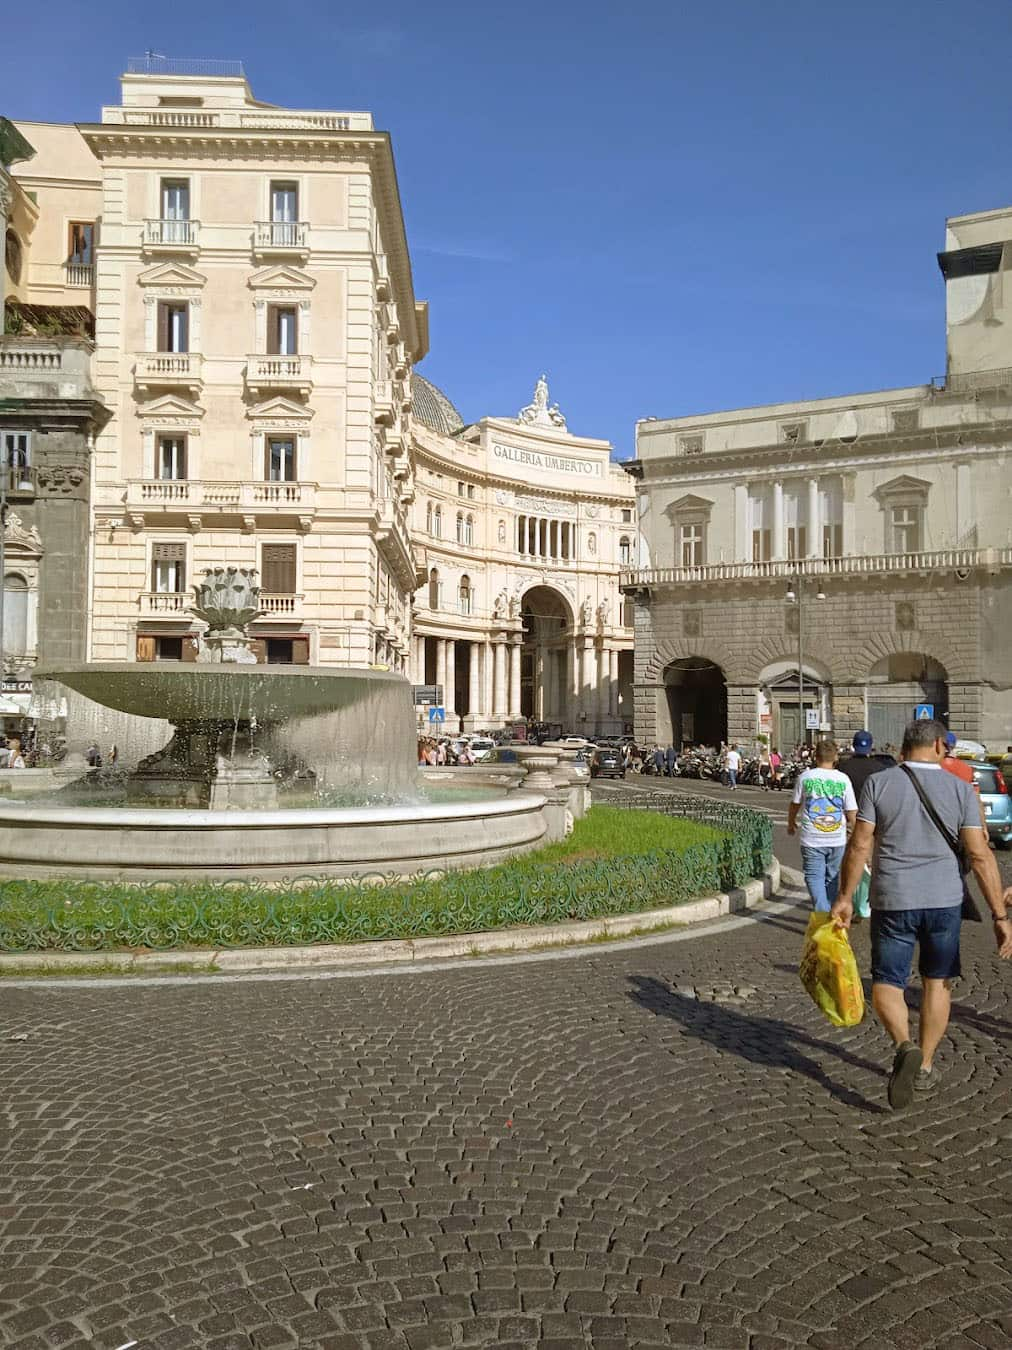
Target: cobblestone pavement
x,y
608,1150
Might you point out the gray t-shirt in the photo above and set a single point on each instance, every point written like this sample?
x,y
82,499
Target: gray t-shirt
x,y
913,866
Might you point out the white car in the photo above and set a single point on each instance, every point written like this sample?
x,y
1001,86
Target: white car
x,y
482,748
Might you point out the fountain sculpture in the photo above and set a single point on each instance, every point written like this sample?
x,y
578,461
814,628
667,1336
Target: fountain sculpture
x,y
267,770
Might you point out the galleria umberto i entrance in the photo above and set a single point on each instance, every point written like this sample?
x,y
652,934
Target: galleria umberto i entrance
x,y
523,528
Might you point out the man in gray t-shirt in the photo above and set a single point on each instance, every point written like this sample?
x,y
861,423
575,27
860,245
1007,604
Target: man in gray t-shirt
x,y
916,895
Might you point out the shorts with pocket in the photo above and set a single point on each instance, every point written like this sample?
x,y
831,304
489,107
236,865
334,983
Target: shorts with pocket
x,y
894,933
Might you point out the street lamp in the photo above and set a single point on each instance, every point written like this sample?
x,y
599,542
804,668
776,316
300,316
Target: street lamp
x,y
795,595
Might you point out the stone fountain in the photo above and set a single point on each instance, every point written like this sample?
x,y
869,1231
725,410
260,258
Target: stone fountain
x,y
244,742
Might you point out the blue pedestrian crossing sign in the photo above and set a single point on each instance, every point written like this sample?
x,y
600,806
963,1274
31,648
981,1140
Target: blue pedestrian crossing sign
x,y
924,712
437,715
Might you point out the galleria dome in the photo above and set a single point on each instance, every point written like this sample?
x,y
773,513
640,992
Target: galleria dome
x,y
432,408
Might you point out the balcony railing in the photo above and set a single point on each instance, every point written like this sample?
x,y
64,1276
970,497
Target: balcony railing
x,y
936,560
186,494
970,381
279,372
171,234
80,274
30,355
280,604
169,369
166,602
280,235
250,118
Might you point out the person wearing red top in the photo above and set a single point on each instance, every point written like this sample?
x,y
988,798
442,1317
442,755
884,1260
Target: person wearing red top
x,y
958,767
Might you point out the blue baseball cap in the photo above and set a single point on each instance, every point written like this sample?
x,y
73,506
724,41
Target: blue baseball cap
x,y
862,742
950,739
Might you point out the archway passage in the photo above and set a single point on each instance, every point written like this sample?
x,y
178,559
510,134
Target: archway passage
x,y
543,683
897,686
697,702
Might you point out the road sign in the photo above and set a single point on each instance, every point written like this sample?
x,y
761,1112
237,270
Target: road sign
x,y
437,716
811,719
924,712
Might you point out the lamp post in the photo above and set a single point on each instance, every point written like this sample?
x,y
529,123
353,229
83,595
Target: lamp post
x,y
795,595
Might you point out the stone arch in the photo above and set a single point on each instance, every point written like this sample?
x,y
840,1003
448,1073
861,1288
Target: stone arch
x,y
548,620
695,702
680,649
885,644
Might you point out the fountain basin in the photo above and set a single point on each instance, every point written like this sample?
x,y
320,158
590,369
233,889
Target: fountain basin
x,y
126,844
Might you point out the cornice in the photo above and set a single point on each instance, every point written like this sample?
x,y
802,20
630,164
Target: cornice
x,y
746,463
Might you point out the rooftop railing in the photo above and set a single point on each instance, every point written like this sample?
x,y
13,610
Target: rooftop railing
x,y
971,381
153,64
934,560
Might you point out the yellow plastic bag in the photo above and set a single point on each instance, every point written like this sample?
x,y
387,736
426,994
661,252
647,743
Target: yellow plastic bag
x,y
829,972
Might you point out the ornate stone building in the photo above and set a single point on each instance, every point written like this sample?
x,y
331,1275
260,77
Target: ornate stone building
x,y
523,528
49,415
837,563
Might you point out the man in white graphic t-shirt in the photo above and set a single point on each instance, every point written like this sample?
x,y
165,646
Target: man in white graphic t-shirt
x,y
824,799
733,762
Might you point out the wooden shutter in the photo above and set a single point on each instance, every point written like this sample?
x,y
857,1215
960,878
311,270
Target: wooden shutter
x,y
277,570
163,326
300,651
145,647
273,327
189,649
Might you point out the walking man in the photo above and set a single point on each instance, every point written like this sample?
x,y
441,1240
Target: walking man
x,y
670,759
824,799
733,762
915,817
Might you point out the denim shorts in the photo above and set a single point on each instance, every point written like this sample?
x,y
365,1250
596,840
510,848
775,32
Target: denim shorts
x,y
893,934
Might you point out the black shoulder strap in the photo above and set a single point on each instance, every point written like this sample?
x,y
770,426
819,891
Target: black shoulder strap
x,y
936,820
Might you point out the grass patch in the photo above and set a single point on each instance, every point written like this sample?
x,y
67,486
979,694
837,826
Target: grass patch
x,y
615,862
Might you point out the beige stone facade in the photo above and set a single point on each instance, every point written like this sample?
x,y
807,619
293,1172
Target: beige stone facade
x,y
255,330
886,516
522,528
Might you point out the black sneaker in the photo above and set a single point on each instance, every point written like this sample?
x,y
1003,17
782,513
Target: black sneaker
x,y
906,1067
927,1080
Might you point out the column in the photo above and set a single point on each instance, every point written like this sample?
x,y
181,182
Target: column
x,y
532,535
553,538
613,683
474,682
585,710
515,679
419,674
600,668
450,688
521,534
742,543
553,684
486,681
778,550
441,665
543,537
499,679
814,521
569,710
539,701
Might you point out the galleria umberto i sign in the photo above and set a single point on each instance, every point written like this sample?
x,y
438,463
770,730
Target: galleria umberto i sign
x,y
549,463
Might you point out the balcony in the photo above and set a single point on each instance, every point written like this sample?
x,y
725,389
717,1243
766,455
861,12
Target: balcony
x,y
148,497
171,236
281,238
44,367
285,606
866,564
167,603
79,274
293,374
169,370
384,408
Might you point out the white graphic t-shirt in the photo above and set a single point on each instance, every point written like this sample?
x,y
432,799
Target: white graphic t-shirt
x,y
824,795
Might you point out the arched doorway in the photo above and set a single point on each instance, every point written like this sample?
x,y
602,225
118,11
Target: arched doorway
x,y
697,702
897,685
544,691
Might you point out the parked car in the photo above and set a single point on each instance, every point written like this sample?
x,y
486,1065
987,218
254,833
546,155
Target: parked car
x,y
997,802
607,763
483,748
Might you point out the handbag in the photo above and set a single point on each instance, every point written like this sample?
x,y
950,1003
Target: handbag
x,y
970,908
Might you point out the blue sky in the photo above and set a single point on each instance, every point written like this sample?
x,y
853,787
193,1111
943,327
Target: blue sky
x,y
669,207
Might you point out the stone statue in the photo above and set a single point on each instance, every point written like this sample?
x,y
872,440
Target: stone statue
x,y
602,613
587,611
514,606
502,531
537,413
501,605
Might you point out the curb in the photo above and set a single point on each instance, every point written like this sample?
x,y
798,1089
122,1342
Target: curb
x,y
407,950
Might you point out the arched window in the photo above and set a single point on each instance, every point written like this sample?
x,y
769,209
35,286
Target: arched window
x,y
434,589
428,518
437,523
15,614
465,595
469,530
624,551
460,529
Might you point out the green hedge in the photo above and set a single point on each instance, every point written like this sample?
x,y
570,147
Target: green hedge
x,y
94,916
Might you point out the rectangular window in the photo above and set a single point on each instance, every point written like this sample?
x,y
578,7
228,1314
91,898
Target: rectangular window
x,y
17,451
280,459
832,541
173,326
168,568
626,516
460,489
691,545
797,542
168,649
172,457
284,214
81,244
277,569
628,614
282,330
470,492
175,207
906,529
831,515
761,545
760,533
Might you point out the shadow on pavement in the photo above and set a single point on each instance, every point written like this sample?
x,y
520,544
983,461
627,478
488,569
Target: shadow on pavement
x,y
761,1040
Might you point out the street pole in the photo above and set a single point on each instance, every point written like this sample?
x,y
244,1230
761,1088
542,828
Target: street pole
x,y
801,664
4,472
